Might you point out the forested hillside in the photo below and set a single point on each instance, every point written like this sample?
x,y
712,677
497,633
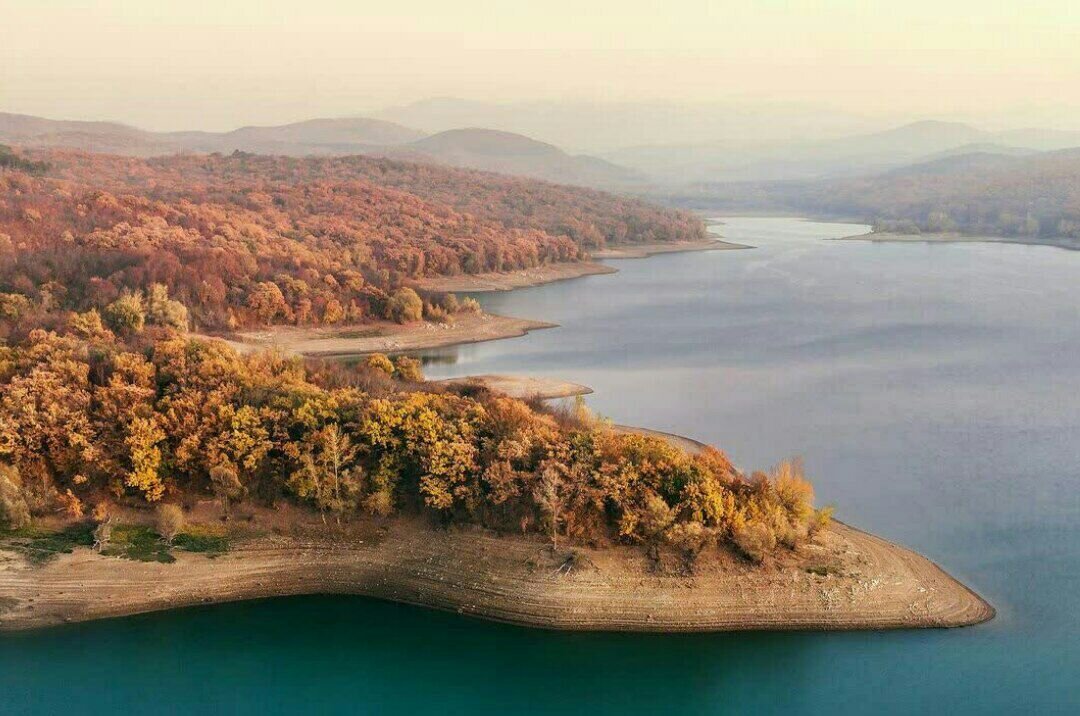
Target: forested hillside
x,y
992,194
89,419
245,240
106,262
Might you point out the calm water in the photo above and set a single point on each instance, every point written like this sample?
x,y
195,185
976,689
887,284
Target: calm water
x,y
933,392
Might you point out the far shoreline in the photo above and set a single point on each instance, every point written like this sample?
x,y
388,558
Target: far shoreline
x,y
941,238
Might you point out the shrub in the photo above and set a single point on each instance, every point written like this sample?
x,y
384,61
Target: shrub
x,y
380,362
449,303
404,306
436,313
408,369
169,521
689,538
821,519
755,540
794,493
14,510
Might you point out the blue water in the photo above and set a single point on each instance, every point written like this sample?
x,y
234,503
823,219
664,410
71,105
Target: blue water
x,y
931,390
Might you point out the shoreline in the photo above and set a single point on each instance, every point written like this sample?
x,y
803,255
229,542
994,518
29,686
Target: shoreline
x,y
492,282
845,580
644,251
497,281
382,336
522,387
884,238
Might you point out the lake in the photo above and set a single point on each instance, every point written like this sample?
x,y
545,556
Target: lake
x,y
932,391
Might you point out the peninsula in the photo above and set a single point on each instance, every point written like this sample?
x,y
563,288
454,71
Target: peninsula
x,y
145,467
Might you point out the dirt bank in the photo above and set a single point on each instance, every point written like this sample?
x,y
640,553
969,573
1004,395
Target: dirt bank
x,y
523,278
641,251
509,280
848,580
844,579
522,386
384,336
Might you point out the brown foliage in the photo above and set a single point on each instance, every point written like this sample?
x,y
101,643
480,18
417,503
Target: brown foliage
x,y
245,240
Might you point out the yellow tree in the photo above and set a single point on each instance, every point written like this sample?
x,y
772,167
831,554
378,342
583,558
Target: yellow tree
x,y
328,473
144,435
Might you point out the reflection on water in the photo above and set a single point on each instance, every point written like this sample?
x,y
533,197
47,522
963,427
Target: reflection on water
x,y
437,356
931,390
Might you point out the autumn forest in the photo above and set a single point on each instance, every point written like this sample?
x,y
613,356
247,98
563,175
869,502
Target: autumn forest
x,y
107,264
246,240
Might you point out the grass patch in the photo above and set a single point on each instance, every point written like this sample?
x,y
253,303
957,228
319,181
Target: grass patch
x,y
139,543
358,333
207,540
136,542
40,545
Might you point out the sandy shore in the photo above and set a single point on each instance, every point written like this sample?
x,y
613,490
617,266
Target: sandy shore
x,y
522,386
384,336
1061,242
641,251
846,580
509,280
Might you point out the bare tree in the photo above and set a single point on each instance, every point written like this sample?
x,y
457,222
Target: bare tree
x,y
550,496
169,521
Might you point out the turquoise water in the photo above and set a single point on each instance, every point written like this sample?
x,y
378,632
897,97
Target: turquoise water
x,y
932,391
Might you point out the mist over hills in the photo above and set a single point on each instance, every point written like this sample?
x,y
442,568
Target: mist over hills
x,y
599,127
855,155
472,148
516,138
724,141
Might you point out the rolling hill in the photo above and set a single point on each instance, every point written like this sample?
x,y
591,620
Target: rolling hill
x,y
243,238
862,154
472,148
978,193
509,153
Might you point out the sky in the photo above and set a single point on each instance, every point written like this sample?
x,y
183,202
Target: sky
x,y
217,65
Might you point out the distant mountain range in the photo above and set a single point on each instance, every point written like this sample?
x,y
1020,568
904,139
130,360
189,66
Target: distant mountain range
x,y
452,133
606,126
857,155
472,148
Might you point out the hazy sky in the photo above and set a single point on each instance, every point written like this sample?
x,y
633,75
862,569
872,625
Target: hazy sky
x,y
217,65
